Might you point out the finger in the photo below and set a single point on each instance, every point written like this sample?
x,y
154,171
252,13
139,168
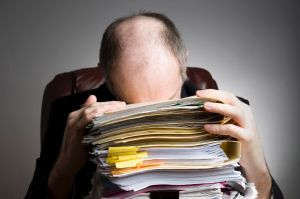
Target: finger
x,y
89,113
227,110
75,114
227,129
85,119
84,115
109,103
223,96
102,107
100,110
90,100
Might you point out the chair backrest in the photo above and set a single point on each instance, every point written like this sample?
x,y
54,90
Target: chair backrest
x,y
76,81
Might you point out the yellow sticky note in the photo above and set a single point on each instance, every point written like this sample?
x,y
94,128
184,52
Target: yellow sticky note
x,y
122,149
128,163
142,154
126,156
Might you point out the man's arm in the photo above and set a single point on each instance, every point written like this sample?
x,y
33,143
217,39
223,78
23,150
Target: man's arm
x,y
50,147
59,162
73,154
38,185
67,165
244,130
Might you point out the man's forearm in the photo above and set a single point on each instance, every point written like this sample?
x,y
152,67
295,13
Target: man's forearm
x,y
264,186
60,181
262,180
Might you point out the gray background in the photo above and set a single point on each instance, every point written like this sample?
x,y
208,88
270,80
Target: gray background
x,y
250,47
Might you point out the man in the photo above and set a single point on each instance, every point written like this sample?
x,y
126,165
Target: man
x,y
144,59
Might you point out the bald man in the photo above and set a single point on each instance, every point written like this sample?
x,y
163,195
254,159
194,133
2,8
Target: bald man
x,y
144,59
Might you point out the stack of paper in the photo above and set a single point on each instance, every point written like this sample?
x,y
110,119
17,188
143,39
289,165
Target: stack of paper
x,y
159,147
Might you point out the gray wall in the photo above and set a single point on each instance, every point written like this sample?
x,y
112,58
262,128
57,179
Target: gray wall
x,y
250,47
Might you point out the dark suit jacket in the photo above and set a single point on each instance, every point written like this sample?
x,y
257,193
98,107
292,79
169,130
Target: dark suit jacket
x,y
60,110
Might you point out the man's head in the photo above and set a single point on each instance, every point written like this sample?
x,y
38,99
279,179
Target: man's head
x,y
144,58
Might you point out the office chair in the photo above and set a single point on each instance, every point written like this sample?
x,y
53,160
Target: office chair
x,y
76,81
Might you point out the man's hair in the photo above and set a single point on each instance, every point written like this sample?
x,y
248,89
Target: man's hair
x,y
111,47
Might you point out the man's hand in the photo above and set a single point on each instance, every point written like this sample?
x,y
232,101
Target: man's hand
x,y
244,130
73,154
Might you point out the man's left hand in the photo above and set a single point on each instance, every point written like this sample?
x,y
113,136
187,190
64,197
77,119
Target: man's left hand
x,y
244,130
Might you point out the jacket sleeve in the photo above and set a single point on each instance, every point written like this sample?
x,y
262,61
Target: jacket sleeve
x,y
276,192
49,152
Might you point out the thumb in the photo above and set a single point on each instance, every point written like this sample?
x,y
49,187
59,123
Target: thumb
x,y
90,100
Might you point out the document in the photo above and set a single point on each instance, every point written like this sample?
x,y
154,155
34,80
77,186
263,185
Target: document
x,y
163,146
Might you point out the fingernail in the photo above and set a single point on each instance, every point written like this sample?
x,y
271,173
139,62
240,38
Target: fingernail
x,y
208,105
198,92
206,126
209,128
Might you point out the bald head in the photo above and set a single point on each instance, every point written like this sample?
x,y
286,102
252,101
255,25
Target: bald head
x,y
140,30
145,68
142,48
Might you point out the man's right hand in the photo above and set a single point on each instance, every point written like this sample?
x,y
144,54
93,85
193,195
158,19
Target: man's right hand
x,y
73,154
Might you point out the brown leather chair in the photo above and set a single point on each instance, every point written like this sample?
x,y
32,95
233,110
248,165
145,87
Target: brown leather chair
x,y
72,82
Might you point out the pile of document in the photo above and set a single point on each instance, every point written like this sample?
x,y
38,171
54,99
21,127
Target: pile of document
x,y
162,148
